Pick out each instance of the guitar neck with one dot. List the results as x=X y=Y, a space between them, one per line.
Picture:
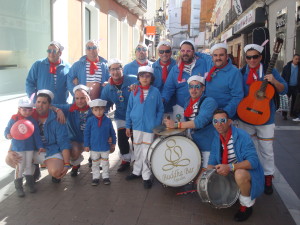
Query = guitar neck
x=269 y=70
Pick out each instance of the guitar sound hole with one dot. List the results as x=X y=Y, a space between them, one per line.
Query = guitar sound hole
x=260 y=94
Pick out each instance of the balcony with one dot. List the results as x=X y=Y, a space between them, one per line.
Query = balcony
x=137 y=7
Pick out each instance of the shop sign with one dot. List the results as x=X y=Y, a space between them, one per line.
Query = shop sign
x=226 y=35
x=280 y=21
x=150 y=30
x=247 y=20
x=238 y=7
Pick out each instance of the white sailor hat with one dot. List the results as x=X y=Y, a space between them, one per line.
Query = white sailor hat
x=218 y=46
x=188 y=41
x=94 y=42
x=83 y=87
x=114 y=61
x=164 y=42
x=142 y=44
x=146 y=69
x=47 y=92
x=253 y=47
x=196 y=78
x=25 y=102
x=57 y=44
x=97 y=102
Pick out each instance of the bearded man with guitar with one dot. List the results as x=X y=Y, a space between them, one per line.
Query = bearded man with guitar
x=257 y=110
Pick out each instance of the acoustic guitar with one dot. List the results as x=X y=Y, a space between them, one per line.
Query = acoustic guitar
x=255 y=108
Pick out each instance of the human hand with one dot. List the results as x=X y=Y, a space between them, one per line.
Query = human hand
x=128 y=132
x=270 y=78
x=63 y=172
x=41 y=150
x=14 y=157
x=87 y=149
x=8 y=136
x=223 y=169
x=112 y=148
x=75 y=81
x=60 y=117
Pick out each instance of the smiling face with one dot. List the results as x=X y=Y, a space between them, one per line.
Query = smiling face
x=25 y=111
x=141 y=53
x=53 y=53
x=221 y=123
x=253 y=58
x=196 y=89
x=116 y=72
x=91 y=51
x=186 y=53
x=164 y=53
x=145 y=78
x=80 y=98
x=98 y=111
x=220 y=57
x=42 y=105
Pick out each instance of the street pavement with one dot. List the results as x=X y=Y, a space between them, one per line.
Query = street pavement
x=74 y=201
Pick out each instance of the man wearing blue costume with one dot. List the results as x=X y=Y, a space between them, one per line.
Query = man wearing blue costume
x=177 y=79
x=90 y=70
x=141 y=54
x=51 y=74
x=117 y=92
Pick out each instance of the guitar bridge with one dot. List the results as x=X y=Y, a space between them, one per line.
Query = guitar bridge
x=255 y=111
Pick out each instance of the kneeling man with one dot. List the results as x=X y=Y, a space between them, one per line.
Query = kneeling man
x=233 y=151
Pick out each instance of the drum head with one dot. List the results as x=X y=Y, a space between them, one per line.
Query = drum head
x=162 y=130
x=175 y=161
x=222 y=190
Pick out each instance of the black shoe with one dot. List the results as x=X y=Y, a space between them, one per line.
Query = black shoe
x=124 y=166
x=90 y=162
x=95 y=182
x=106 y=181
x=37 y=173
x=243 y=214
x=55 y=180
x=147 y=184
x=74 y=171
x=132 y=177
x=268 y=185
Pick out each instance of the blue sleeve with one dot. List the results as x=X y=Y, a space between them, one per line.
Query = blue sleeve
x=105 y=73
x=36 y=135
x=205 y=114
x=125 y=70
x=214 y=151
x=207 y=58
x=237 y=93
x=31 y=80
x=87 y=133
x=281 y=80
x=248 y=150
x=160 y=109
x=8 y=127
x=128 y=111
x=65 y=108
x=71 y=76
x=170 y=86
x=62 y=138
x=112 y=133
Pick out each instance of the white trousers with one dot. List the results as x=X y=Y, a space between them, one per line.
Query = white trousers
x=246 y=201
x=262 y=137
x=141 y=143
x=25 y=165
x=97 y=158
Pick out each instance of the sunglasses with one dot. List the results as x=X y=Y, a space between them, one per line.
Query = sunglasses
x=186 y=51
x=196 y=86
x=164 y=51
x=252 y=56
x=220 y=121
x=141 y=49
x=91 y=47
x=115 y=69
x=27 y=109
x=54 y=51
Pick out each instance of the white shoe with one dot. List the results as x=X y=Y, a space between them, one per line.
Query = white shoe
x=296 y=120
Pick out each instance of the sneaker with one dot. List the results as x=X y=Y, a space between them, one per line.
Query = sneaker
x=74 y=171
x=37 y=173
x=95 y=182
x=243 y=214
x=124 y=166
x=55 y=180
x=268 y=185
x=106 y=181
x=147 y=184
x=296 y=120
x=132 y=177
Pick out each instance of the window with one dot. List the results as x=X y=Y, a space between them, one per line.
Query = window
x=87 y=31
x=113 y=36
x=124 y=43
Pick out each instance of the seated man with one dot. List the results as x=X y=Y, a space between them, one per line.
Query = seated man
x=232 y=150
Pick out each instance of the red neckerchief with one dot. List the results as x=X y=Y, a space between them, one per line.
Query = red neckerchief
x=164 y=70
x=142 y=64
x=43 y=116
x=212 y=70
x=111 y=81
x=181 y=67
x=93 y=66
x=189 y=109
x=53 y=67
x=142 y=92
x=99 y=120
x=252 y=75
x=75 y=107
x=35 y=115
x=17 y=117
x=225 y=149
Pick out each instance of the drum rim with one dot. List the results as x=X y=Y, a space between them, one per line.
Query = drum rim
x=179 y=136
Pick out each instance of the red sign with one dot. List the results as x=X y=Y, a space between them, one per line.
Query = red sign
x=150 y=30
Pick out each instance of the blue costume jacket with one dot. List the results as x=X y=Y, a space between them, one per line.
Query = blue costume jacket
x=96 y=138
x=203 y=132
x=56 y=135
x=272 y=104
x=226 y=88
x=39 y=78
x=32 y=143
x=181 y=89
x=244 y=150
x=147 y=115
x=132 y=68
x=158 y=83
x=112 y=94
x=78 y=70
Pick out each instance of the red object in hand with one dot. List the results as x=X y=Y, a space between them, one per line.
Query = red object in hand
x=22 y=129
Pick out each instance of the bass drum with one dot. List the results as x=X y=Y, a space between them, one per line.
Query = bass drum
x=220 y=191
x=174 y=160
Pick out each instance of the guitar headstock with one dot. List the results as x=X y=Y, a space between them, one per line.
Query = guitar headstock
x=278 y=44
